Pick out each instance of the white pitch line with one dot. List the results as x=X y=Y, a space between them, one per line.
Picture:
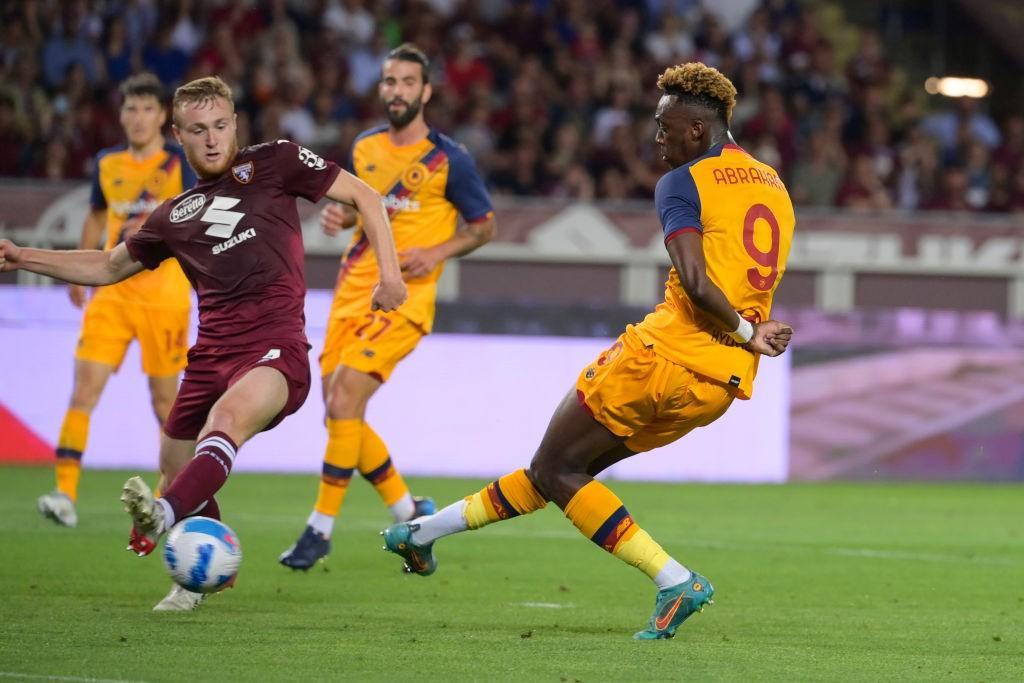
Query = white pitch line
x=74 y=679
x=543 y=605
x=920 y=557
x=866 y=553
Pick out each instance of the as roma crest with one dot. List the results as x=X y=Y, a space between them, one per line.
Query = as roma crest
x=414 y=176
x=243 y=172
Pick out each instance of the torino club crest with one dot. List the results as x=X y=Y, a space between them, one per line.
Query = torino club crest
x=243 y=172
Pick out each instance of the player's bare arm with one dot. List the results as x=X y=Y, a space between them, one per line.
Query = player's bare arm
x=88 y=267
x=420 y=262
x=687 y=253
x=390 y=292
x=92 y=234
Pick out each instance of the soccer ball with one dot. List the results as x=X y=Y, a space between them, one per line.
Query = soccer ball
x=202 y=554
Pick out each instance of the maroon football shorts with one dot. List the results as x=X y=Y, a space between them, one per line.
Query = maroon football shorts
x=211 y=371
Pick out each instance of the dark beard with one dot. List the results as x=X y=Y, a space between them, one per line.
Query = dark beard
x=400 y=121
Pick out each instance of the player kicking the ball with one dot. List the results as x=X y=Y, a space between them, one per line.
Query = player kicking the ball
x=728 y=222
x=237 y=236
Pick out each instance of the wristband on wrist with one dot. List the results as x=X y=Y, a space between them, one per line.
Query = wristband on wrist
x=744 y=332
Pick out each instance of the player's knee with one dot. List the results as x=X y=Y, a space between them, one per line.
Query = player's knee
x=545 y=472
x=222 y=420
x=161 y=407
x=540 y=477
x=343 y=403
x=84 y=399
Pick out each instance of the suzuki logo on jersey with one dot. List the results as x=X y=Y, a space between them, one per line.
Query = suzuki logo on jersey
x=224 y=221
x=237 y=239
x=188 y=208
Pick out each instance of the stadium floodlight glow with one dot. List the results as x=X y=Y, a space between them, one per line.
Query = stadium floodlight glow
x=953 y=86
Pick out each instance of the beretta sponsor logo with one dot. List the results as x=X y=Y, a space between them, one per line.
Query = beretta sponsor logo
x=188 y=208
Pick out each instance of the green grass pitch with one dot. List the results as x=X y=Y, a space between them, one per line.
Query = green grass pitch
x=813 y=582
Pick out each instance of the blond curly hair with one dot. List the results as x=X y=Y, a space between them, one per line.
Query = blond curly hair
x=701 y=83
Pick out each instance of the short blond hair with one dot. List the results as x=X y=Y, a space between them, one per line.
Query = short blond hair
x=701 y=84
x=200 y=91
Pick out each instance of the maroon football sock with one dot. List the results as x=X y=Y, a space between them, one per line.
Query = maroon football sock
x=208 y=508
x=202 y=477
x=212 y=510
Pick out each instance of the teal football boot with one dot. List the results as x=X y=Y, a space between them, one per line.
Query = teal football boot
x=419 y=559
x=676 y=604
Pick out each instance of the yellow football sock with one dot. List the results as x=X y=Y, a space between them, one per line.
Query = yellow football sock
x=509 y=496
x=600 y=516
x=375 y=464
x=74 y=433
x=343 y=439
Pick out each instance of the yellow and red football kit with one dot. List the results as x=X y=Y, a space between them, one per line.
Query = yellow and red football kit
x=676 y=370
x=152 y=306
x=426 y=186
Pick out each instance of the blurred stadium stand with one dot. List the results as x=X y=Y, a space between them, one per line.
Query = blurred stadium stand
x=554 y=97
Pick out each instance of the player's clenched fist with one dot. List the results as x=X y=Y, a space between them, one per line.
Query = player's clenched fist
x=387 y=296
x=771 y=338
x=10 y=254
x=335 y=218
x=78 y=294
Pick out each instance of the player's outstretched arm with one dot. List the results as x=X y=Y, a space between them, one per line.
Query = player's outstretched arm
x=92 y=234
x=88 y=267
x=390 y=292
x=687 y=253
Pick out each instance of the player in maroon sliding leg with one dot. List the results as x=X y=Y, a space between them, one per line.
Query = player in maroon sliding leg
x=238 y=239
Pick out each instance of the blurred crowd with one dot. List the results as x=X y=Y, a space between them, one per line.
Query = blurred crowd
x=552 y=97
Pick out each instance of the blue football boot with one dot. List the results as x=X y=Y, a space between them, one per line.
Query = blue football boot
x=311 y=547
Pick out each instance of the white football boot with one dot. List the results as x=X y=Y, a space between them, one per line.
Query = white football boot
x=58 y=507
x=179 y=600
x=147 y=516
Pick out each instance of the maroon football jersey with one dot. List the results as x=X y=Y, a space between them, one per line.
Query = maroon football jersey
x=239 y=241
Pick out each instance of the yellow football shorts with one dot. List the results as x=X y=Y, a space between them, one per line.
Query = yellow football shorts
x=108 y=328
x=373 y=343
x=646 y=398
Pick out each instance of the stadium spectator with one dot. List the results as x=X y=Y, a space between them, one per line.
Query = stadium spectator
x=953 y=189
x=1010 y=153
x=1016 y=200
x=13 y=136
x=774 y=123
x=863 y=190
x=816 y=176
x=919 y=166
x=119 y=58
x=166 y=60
x=66 y=47
x=949 y=126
